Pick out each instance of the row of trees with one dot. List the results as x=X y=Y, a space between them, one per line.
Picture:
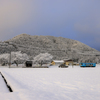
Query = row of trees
x=43 y=58
x=20 y=58
x=13 y=57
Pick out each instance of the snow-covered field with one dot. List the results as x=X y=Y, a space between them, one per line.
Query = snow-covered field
x=52 y=83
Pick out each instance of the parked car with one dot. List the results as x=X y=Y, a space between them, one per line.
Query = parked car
x=63 y=66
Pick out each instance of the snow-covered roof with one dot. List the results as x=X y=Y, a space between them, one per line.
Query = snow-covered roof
x=68 y=59
x=58 y=60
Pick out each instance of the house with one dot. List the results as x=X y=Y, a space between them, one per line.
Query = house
x=57 y=62
x=68 y=62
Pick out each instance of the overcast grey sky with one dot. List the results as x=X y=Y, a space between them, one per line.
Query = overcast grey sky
x=74 y=19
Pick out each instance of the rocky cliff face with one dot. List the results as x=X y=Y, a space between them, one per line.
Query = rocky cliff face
x=60 y=48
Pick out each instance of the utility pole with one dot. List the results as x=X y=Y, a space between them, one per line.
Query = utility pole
x=10 y=60
x=72 y=57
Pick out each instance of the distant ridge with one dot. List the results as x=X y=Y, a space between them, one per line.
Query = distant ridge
x=59 y=47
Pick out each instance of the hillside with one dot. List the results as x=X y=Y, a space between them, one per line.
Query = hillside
x=59 y=47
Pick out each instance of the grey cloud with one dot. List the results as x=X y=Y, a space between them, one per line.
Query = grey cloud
x=13 y=14
x=76 y=19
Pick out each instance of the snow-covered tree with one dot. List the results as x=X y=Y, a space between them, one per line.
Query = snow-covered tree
x=16 y=57
x=19 y=57
x=4 y=59
x=43 y=58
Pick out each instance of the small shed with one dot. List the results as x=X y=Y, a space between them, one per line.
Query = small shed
x=28 y=63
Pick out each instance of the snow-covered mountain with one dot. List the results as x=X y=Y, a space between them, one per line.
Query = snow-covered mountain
x=59 y=47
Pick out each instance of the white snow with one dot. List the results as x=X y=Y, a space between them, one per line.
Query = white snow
x=54 y=66
x=53 y=84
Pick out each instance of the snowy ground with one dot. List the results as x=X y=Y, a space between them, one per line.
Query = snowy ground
x=53 y=83
x=4 y=92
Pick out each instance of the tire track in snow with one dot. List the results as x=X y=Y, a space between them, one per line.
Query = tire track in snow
x=8 y=86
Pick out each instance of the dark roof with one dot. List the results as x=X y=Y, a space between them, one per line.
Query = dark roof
x=68 y=60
